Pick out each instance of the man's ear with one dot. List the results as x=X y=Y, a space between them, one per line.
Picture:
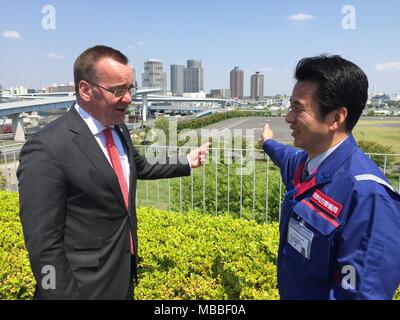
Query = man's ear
x=85 y=92
x=338 y=119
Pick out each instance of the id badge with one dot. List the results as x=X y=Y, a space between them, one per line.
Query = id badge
x=300 y=237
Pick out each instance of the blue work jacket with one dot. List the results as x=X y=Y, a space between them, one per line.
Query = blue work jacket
x=339 y=228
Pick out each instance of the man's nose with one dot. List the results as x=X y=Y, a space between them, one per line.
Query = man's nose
x=127 y=98
x=289 y=117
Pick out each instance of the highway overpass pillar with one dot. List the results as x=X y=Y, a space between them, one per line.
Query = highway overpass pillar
x=18 y=127
x=145 y=107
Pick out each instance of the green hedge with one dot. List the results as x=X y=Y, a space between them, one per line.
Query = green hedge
x=3 y=182
x=184 y=256
x=196 y=256
x=16 y=279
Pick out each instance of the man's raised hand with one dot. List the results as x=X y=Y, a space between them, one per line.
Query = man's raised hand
x=267 y=134
x=198 y=156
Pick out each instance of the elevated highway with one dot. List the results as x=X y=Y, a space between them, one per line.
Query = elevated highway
x=40 y=102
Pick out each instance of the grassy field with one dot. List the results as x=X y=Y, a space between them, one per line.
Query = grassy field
x=385 y=132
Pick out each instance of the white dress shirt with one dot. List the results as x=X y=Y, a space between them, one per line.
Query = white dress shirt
x=96 y=128
x=316 y=162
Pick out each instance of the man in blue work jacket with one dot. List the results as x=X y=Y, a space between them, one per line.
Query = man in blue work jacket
x=340 y=219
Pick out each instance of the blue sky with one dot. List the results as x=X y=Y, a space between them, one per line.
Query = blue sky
x=256 y=35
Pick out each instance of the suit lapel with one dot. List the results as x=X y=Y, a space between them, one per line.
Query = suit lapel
x=87 y=143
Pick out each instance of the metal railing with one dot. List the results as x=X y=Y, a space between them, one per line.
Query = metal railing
x=241 y=182
x=9 y=156
x=264 y=169
x=237 y=164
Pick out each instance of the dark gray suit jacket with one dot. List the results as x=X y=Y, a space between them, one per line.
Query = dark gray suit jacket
x=73 y=213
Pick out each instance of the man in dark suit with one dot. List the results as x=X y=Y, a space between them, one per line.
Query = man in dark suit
x=77 y=184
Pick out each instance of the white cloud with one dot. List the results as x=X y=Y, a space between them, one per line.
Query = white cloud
x=130 y=47
x=388 y=66
x=52 y=55
x=300 y=18
x=140 y=43
x=11 y=34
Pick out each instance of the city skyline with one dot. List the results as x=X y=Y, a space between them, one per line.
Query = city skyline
x=37 y=51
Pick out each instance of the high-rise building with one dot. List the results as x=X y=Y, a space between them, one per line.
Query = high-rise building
x=193 y=77
x=194 y=64
x=18 y=90
x=257 y=86
x=177 y=72
x=69 y=87
x=220 y=93
x=153 y=75
x=133 y=75
x=236 y=83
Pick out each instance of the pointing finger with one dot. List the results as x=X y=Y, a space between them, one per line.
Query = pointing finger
x=206 y=145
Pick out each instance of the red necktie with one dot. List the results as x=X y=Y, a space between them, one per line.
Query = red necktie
x=116 y=164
